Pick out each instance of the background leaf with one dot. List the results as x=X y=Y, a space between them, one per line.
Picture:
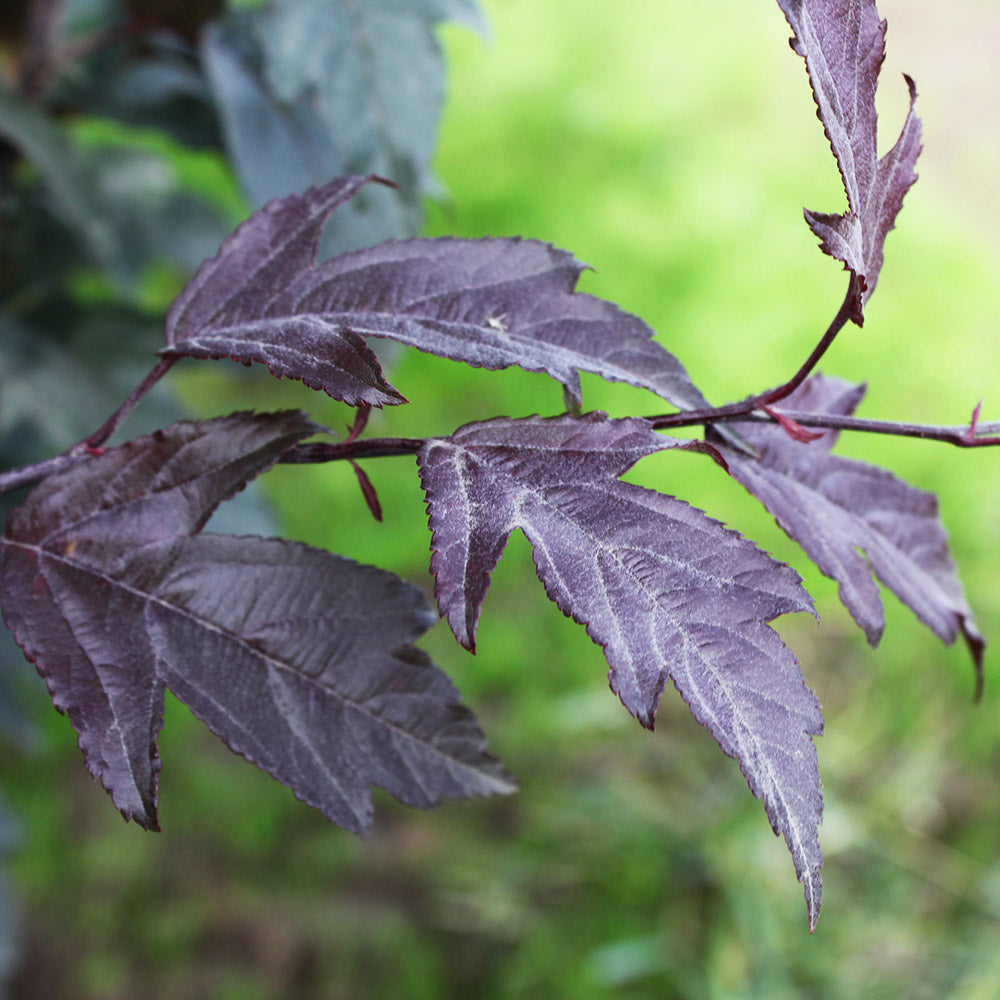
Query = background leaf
x=335 y=89
x=46 y=146
x=145 y=76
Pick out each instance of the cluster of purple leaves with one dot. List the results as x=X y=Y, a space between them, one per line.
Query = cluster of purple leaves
x=303 y=661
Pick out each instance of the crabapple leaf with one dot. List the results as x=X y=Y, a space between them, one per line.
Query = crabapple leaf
x=664 y=589
x=843 y=44
x=855 y=520
x=114 y=596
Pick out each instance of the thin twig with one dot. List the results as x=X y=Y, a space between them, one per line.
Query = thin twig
x=307 y=454
x=984 y=436
x=687 y=418
x=97 y=439
x=839 y=321
x=28 y=474
x=89 y=446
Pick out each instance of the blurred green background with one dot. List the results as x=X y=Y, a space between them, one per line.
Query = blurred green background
x=672 y=147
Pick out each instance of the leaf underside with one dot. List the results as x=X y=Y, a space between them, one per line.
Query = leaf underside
x=857 y=521
x=299 y=660
x=843 y=44
x=665 y=590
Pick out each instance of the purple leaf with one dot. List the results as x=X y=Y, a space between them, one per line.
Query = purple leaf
x=838 y=508
x=298 y=659
x=664 y=589
x=76 y=563
x=227 y=309
x=492 y=303
x=843 y=43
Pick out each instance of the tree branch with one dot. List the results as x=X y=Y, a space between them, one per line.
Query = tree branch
x=961 y=435
x=308 y=454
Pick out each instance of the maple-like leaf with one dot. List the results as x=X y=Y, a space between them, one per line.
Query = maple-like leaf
x=854 y=519
x=843 y=43
x=664 y=589
x=492 y=303
x=298 y=659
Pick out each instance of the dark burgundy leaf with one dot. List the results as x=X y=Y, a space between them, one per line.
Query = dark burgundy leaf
x=227 y=309
x=492 y=303
x=300 y=661
x=664 y=589
x=112 y=598
x=76 y=564
x=843 y=43
x=854 y=519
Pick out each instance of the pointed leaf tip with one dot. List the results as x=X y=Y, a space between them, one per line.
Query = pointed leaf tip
x=843 y=44
x=235 y=306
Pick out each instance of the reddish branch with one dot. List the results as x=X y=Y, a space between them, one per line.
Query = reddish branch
x=755 y=408
x=762 y=401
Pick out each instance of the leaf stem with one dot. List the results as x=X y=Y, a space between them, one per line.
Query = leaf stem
x=985 y=435
x=687 y=418
x=960 y=435
x=307 y=454
x=839 y=321
x=89 y=446
x=113 y=422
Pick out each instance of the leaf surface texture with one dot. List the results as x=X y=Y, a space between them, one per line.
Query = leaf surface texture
x=298 y=659
x=665 y=590
x=492 y=303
